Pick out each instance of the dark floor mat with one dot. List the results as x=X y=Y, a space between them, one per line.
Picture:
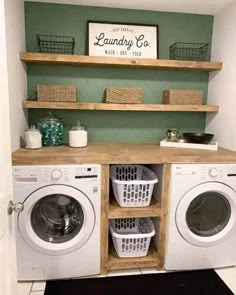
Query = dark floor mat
x=204 y=282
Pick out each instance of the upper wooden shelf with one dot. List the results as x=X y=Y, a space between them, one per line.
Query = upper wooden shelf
x=119 y=107
x=98 y=61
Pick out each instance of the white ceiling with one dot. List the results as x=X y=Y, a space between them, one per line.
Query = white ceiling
x=211 y=7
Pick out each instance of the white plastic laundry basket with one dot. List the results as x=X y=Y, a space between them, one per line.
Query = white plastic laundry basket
x=132 y=236
x=132 y=185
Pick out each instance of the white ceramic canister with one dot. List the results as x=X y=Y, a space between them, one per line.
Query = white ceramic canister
x=78 y=136
x=33 y=138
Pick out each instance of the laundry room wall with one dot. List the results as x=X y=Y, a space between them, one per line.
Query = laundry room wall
x=15 y=42
x=222 y=89
x=71 y=20
x=11 y=84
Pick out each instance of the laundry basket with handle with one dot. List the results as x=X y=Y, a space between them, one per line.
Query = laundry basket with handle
x=132 y=185
x=132 y=236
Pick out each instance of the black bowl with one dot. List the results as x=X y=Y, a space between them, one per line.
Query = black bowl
x=203 y=138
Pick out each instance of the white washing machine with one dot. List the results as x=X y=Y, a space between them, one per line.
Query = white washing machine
x=201 y=229
x=58 y=228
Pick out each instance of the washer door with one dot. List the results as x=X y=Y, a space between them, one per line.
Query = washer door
x=205 y=216
x=56 y=220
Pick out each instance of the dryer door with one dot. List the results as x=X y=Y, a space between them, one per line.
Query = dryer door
x=56 y=220
x=205 y=215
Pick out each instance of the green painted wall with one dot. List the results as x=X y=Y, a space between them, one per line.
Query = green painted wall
x=70 y=20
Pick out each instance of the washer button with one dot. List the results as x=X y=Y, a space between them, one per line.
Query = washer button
x=56 y=174
x=95 y=189
x=213 y=172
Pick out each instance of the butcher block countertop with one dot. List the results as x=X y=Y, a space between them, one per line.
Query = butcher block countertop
x=119 y=153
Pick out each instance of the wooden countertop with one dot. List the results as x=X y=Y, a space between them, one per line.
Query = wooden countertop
x=119 y=153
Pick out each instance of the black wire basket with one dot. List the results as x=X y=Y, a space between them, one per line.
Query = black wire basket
x=189 y=51
x=55 y=44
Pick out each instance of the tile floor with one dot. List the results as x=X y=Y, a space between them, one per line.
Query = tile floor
x=228 y=275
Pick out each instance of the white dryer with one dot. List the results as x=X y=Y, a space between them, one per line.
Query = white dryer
x=201 y=227
x=58 y=229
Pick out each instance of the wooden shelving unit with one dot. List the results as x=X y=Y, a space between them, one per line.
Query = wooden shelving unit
x=115 y=262
x=119 y=107
x=110 y=210
x=97 y=61
x=152 y=259
x=158 y=210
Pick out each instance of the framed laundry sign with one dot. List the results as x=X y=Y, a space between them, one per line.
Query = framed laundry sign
x=122 y=40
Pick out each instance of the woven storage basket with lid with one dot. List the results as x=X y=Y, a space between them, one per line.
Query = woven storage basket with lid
x=60 y=93
x=123 y=95
x=181 y=96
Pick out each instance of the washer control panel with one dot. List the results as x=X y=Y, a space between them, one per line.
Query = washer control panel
x=23 y=174
x=212 y=172
x=57 y=174
x=231 y=171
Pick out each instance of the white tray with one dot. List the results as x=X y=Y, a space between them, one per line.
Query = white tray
x=212 y=146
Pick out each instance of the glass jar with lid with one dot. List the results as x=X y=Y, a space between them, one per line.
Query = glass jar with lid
x=51 y=128
x=78 y=135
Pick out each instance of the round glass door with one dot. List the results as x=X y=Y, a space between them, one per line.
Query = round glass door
x=206 y=214
x=56 y=220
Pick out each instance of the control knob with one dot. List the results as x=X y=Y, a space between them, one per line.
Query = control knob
x=56 y=174
x=213 y=172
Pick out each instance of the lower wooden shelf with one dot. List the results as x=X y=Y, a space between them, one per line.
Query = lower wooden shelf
x=115 y=262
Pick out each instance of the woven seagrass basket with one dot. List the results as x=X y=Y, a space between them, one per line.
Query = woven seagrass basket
x=123 y=95
x=59 y=93
x=181 y=97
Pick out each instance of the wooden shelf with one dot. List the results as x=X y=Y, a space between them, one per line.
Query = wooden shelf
x=84 y=60
x=115 y=211
x=115 y=262
x=119 y=107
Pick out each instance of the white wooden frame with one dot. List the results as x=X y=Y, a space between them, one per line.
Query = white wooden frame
x=122 y=40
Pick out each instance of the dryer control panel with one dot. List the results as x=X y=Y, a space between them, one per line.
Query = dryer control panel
x=204 y=172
